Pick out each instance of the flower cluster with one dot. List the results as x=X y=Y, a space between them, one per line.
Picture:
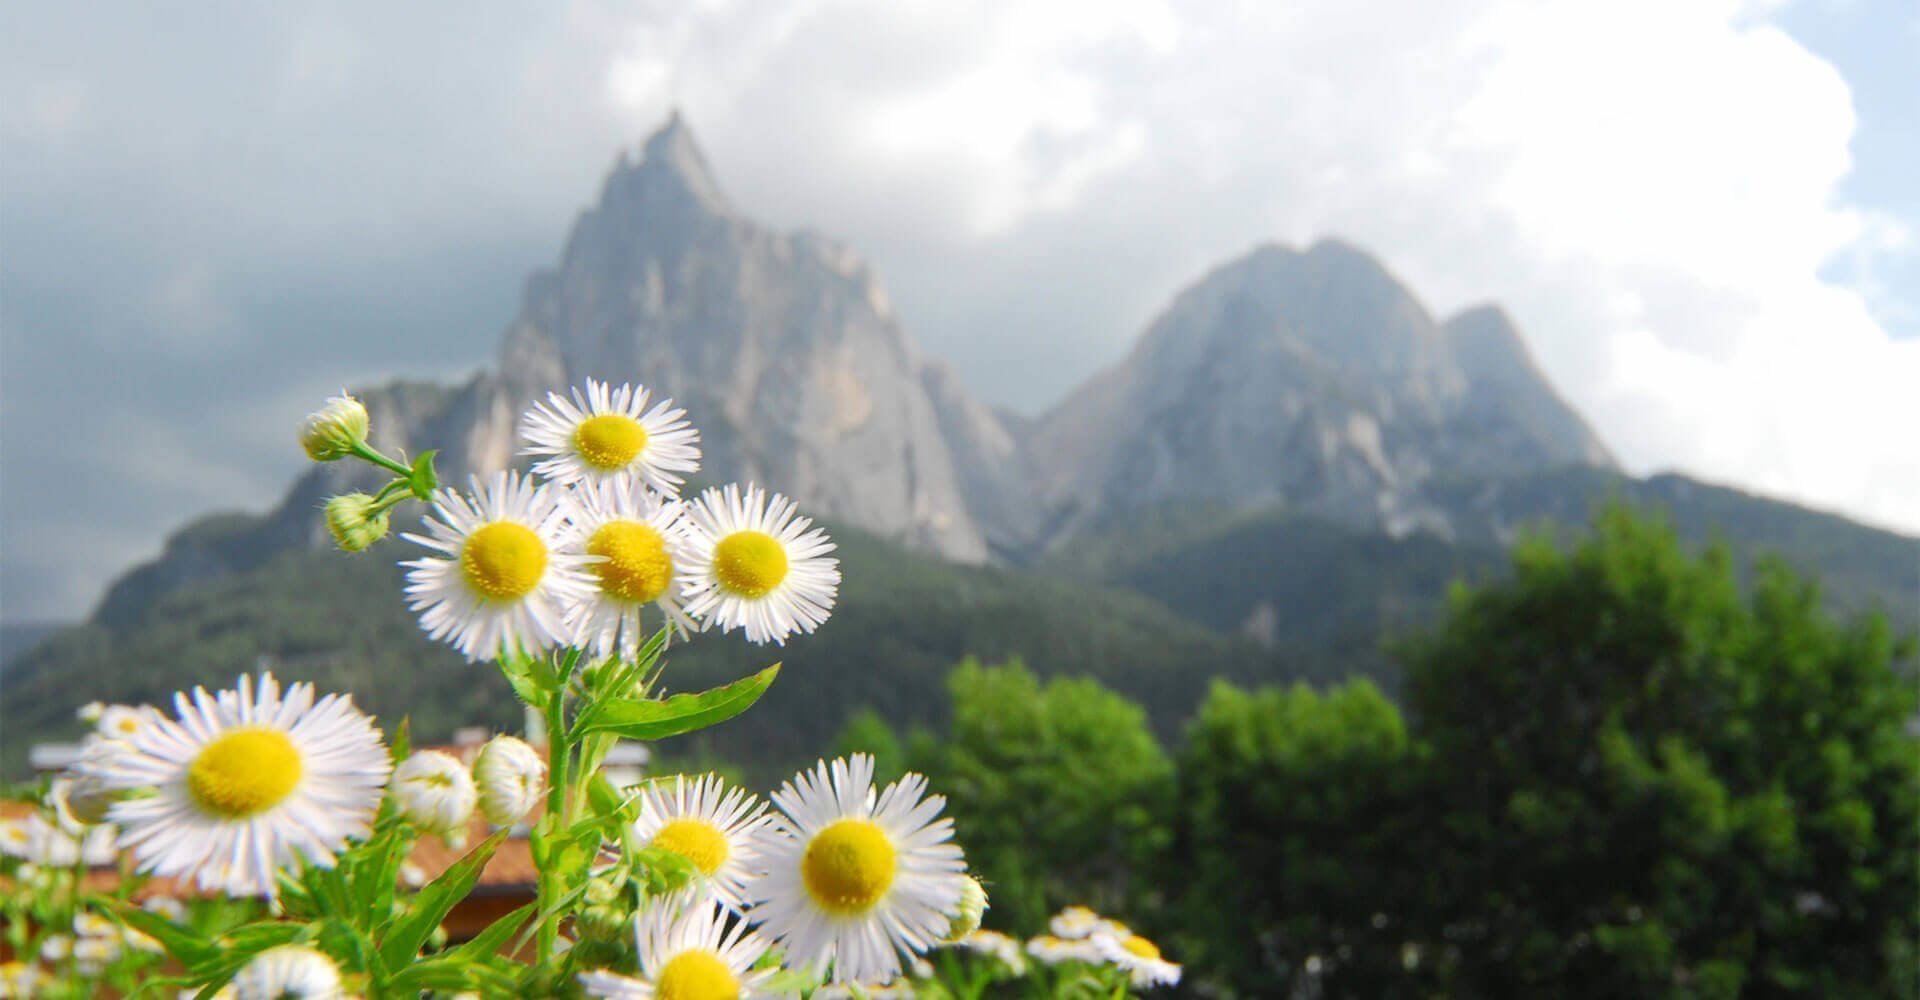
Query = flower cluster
x=296 y=804
x=1080 y=935
x=840 y=880
x=572 y=555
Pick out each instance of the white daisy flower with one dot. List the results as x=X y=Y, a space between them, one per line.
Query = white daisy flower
x=121 y=722
x=247 y=782
x=502 y=580
x=512 y=778
x=692 y=953
x=715 y=827
x=609 y=431
x=1140 y=957
x=854 y=878
x=18 y=979
x=435 y=793
x=39 y=842
x=288 y=972
x=752 y=564
x=1054 y=950
x=634 y=535
x=1076 y=922
x=1003 y=948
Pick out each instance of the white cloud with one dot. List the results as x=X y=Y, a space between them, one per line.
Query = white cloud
x=1649 y=186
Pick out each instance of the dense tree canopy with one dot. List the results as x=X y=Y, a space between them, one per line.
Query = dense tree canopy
x=1620 y=775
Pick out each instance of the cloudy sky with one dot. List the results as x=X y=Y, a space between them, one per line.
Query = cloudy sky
x=1705 y=216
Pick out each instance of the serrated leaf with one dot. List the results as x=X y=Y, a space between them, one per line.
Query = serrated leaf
x=682 y=713
x=435 y=900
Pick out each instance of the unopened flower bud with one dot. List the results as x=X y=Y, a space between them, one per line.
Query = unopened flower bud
x=973 y=906
x=511 y=776
x=334 y=430
x=435 y=793
x=607 y=910
x=353 y=522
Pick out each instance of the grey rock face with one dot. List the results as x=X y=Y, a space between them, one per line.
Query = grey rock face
x=782 y=347
x=1310 y=380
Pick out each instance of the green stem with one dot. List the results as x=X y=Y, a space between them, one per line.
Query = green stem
x=365 y=451
x=558 y=753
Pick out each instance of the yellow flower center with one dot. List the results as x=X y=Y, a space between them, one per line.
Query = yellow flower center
x=128 y=725
x=1141 y=946
x=638 y=568
x=696 y=840
x=503 y=560
x=848 y=866
x=696 y=975
x=245 y=771
x=609 y=441
x=749 y=563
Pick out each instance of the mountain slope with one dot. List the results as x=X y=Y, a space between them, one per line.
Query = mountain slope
x=1299 y=581
x=903 y=621
x=1312 y=380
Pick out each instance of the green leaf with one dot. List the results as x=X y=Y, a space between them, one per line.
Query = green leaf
x=572 y=855
x=607 y=800
x=682 y=713
x=629 y=672
x=184 y=945
x=402 y=744
x=519 y=674
x=488 y=942
x=433 y=974
x=238 y=946
x=423 y=481
x=376 y=873
x=407 y=935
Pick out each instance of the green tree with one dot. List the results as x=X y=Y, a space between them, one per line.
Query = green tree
x=1299 y=843
x=1056 y=788
x=1646 y=784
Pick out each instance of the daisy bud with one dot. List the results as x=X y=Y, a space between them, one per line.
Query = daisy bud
x=290 y=970
x=511 y=776
x=334 y=430
x=353 y=522
x=973 y=906
x=435 y=793
x=90 y=712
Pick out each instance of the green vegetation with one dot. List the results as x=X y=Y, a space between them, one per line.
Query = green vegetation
x=1616 y=774
x=902 y=622
x=1616 y=768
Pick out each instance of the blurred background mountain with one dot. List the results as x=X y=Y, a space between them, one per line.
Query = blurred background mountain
x=1292 y=465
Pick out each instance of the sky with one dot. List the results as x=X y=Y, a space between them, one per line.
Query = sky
x=1704 y=216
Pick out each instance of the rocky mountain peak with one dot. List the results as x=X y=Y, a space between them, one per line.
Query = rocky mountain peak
x=1307 y=379
x=782 y=347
